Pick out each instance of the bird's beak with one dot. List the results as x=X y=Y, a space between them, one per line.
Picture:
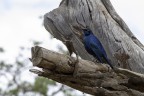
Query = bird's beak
x=84 y=29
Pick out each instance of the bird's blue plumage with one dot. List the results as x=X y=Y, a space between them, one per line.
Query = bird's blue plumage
x=94 y=47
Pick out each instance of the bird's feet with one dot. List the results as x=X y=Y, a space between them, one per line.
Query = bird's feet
x=72 y=61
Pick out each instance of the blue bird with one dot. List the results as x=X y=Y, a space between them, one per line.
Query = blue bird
x=94 y=47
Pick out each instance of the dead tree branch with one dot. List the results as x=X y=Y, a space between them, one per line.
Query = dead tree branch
x=122 y=47
x=86 y=76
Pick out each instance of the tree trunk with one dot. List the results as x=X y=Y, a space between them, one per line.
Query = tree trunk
x=122 y=47
x=86 y=76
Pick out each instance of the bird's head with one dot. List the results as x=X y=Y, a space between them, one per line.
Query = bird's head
x=87 y=32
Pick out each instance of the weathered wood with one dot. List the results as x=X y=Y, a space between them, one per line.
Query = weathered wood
x=122 y=47
x=60 y=63
x=86 y=76
x=121 y=23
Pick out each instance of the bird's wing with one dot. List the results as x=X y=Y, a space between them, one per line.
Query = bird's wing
x=97 y=43
x=96 y=51
x=89 y=50
x=94 y=47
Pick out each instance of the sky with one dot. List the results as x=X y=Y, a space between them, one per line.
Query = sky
x=132 y=13
x=20 y=23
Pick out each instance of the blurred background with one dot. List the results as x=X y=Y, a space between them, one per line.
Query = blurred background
x=21 y=27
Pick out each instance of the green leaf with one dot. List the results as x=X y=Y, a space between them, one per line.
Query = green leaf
x=14 y=91
x=36 y=43
x=1 y=50
x=41 y=85
x=19 y=63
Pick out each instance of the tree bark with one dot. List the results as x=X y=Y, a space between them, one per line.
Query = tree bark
x=86 y=76
x=122 y=47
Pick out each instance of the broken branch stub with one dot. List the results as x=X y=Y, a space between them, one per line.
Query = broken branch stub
x=61 y=63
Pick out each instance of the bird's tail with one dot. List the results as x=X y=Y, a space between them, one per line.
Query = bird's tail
x=108 y=61
x=110 y=64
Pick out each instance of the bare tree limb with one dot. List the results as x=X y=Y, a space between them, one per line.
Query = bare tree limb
x=86 y=76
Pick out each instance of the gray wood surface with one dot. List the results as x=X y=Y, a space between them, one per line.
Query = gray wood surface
x=86 y=76
x=122 y=47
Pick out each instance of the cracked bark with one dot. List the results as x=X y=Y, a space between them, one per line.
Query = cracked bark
x=101 y=18
x=122 y=47
x=86 y=76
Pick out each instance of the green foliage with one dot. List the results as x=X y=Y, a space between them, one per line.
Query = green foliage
x=36 y=43
x=13 y=92
x=41 y=85
x=16 y=86
x=19 y=63
x=67 y=93
x=4 y=66
x=1 y=50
